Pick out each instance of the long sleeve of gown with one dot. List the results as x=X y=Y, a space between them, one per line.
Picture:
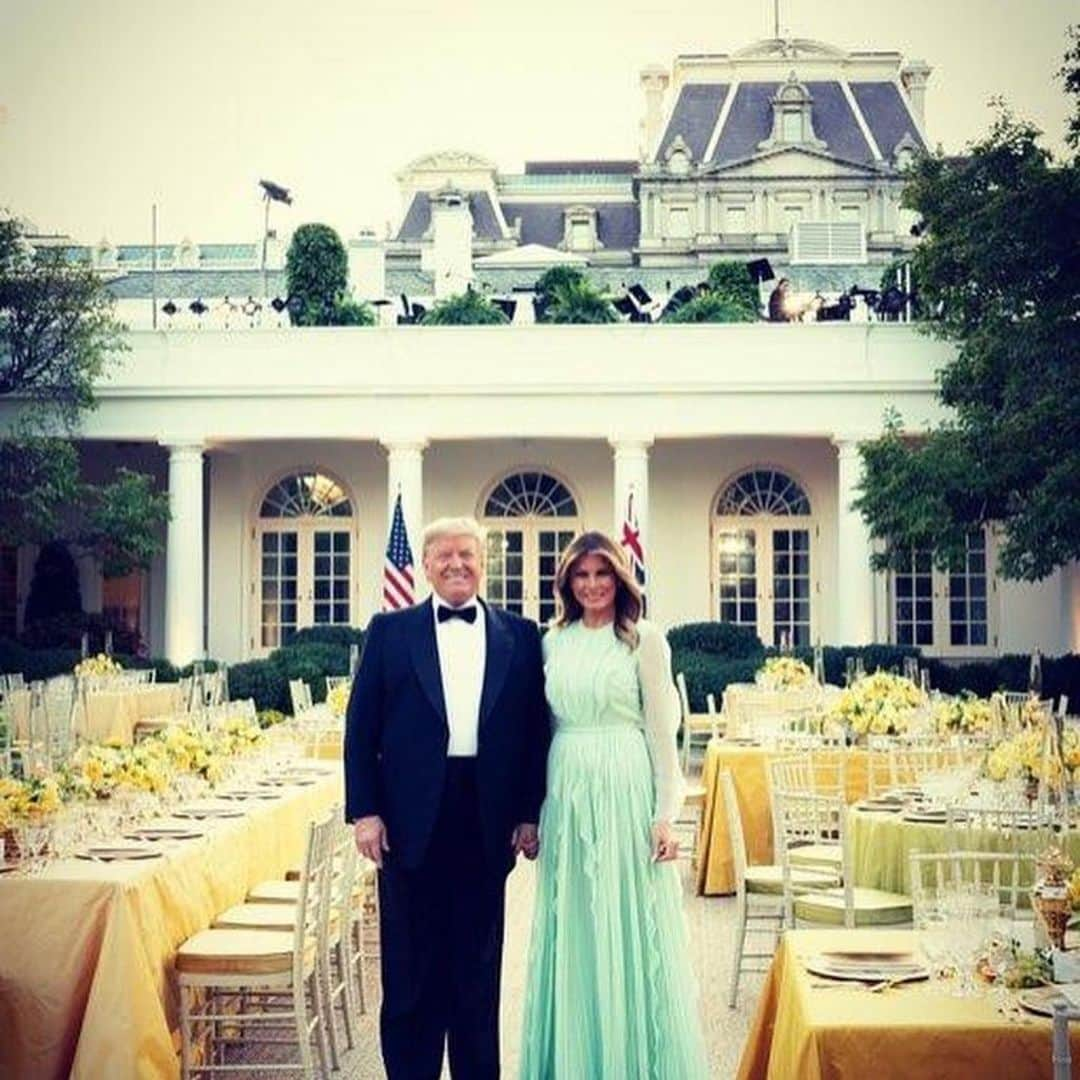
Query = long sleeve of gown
x=662 y=714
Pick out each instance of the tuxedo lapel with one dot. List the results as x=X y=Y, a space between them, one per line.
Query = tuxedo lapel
x=425 y=658
x=500 y=647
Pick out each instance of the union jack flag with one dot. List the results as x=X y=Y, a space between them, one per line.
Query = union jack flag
x=631 y=540
x=398 y=591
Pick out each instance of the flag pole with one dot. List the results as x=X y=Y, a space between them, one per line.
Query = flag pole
x=153 y=266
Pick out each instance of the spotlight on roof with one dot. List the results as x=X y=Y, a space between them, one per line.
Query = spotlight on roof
x=276 y=192
x=760 y=270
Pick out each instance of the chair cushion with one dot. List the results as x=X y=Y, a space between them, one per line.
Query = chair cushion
x=770 y=879
x=258 y=917
x=236 y=952
x=826 y=855
x=873 y=907
x=695 y=796
x=275 y=892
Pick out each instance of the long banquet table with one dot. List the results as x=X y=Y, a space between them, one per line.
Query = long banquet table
x=916 y=1030
x=86 y=949
x=749 y=771
x=109 y=715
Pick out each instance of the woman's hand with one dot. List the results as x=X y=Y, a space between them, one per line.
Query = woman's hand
x=665 y=848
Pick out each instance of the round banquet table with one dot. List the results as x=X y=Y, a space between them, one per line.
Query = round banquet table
x=881 y=843
x=749 y=771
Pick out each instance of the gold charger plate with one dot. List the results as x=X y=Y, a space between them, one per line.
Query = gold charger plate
x=872 y=971
x=1041 y=1000
x=202 y=813
x=117 y=854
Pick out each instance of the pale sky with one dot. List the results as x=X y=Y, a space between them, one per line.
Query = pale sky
x=107 y=106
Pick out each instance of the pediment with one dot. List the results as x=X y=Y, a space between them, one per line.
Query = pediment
x=792 y=161
x=443 y=161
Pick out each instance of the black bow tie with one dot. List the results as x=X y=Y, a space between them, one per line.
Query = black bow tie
x=467 y=614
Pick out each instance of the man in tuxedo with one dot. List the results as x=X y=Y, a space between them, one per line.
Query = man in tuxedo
x=445 y=757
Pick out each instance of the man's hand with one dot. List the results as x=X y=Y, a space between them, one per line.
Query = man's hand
x=665 y=847
x=370 y=833
x=526 y=841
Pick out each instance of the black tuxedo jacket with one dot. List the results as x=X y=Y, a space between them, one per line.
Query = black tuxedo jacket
x=396 y=733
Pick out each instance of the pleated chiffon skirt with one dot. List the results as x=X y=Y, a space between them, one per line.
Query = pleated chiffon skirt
x=611 y=994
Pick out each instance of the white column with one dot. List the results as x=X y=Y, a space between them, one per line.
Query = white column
x=631 y=458
x=184 y=554
x=854 y=579
x=405 y=473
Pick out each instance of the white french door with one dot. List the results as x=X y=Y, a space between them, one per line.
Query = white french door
x=764 y=577
x=305 y=578
x=521 y=564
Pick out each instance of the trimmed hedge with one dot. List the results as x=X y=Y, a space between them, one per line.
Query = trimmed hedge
x=710 y=655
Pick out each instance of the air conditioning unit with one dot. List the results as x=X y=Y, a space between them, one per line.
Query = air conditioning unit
x=827 y=242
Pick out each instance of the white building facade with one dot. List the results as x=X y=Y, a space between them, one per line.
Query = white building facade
x=283 y=452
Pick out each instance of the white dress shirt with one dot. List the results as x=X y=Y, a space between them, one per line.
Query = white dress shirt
x=462 y=650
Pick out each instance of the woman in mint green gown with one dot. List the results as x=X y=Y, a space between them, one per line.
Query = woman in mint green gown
x=610 y=993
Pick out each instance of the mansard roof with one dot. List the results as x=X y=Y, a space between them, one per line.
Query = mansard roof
x=694 y=117
x=749 y=119
x=618 y=225
x=418 y=217
x=580 y=168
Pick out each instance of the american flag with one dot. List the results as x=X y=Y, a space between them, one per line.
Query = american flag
x=398 y=567
x=631 y=540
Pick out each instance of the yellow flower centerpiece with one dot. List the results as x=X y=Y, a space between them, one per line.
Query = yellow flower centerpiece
x=28 y=800
x=880 y=704
x=1022 y=757
x=338 y=699
x=966 y=714
x=779 y=673
x=102 y=664
x=237 y=735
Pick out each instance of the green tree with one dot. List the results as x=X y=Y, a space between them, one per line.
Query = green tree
x=999 y=266
x=317 y=279
x=708 y=308
x=58 y=335
x=729 y=295
x=731 y=281
x=577 y=300
x=465 y=309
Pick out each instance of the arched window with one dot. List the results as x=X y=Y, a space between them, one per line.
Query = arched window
x=306 y=494
x=763 y=568
x=531 y=516
x=763 y=491
x=305 y=538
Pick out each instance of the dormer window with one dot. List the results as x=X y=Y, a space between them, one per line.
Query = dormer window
x=793 y=122
x=579 y=229
x=678 y=158
x=904 y=152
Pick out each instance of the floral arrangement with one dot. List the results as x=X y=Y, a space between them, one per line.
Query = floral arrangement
x=97 y=771
x=966 y=714
x=235 y=735
x=880 y=704
x=24 y=800
x=780 y=673
x=102 y=664
x=338 y=699
x=269 y=718
x=1021 y=758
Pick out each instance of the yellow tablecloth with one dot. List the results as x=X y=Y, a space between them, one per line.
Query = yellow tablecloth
x=804 y=1033
x=110 y=715
x=882 y=842
x=748 y=765
x=86 y=951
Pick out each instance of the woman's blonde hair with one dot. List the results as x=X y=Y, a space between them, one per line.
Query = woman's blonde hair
x=627 y=592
